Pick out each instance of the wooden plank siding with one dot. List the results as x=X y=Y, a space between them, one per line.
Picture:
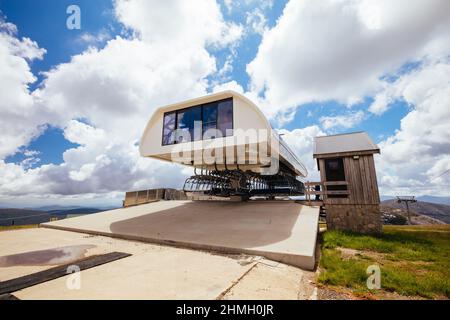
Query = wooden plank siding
x=362 y=181
x=373 y=174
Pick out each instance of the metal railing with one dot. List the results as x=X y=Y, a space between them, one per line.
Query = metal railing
x=293 y=157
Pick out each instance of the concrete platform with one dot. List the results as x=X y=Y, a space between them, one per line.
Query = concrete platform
x=151 y=272
x=278 y=230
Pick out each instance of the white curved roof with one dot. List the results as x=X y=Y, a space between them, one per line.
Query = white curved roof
x=246 y=115
x=200 y=100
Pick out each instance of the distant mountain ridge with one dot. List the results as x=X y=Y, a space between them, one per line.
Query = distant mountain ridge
x=14 y=216
x=10 y=217
x=434 y=210
x=433 y=199
x=430 y=199
x=53 y=207
x=75 y=211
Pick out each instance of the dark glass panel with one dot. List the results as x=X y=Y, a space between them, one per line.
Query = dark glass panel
x=225 y=116
x=169 y=128
x=209 y=116
x=179 y=126
x=186 y=120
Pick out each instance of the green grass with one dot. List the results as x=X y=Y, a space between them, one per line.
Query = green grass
x=6 y=228
x=414 y=260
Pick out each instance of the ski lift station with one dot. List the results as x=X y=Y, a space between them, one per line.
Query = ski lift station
x=243 y=195
x=233 y=148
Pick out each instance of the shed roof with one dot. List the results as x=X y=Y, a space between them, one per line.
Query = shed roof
x=344 y=143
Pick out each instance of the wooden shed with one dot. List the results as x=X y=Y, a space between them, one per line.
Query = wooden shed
x=348 y=182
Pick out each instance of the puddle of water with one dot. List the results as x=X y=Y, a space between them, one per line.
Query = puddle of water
x=54 y=256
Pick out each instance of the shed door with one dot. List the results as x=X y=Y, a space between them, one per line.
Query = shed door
x=334 y=171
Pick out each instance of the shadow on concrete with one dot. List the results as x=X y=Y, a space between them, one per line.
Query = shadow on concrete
x=219 y=223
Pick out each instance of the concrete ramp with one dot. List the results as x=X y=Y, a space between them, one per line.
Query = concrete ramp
x=283 y=231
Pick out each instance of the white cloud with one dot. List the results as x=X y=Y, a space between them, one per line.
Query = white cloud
x=440 y=171
x=414 y=87
x=301 y=141
x=19 y=117
x=31 y=153
x=30 y=162
x=178 y=24
x=115 y=89
x=228 y=4
x=414 y=157
x=302 y=59
x=223 y=74
x=342 y=50
x=338 y=50
x=7 y=27
x=100 y=165
x=231 y=85
x=246 y=4
x=263 y=4
x=257 y=21
x=95 y=38
x=343 y=121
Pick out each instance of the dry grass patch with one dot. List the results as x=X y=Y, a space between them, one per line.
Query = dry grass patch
x=6 y=228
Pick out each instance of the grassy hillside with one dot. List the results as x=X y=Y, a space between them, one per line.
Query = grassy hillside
x=414 y=262
x=26 y=226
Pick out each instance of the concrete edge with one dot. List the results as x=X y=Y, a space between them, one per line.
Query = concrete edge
x=301 y=261
x=316 y=234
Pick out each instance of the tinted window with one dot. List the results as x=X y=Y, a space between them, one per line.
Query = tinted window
x=179 y=125
x=225 y=117
x=209 y=116
x=169 y=128
x=185 y=123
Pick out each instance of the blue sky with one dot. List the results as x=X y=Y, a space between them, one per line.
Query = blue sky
x=45 y=21
x=282 y=54
x=42 y=21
